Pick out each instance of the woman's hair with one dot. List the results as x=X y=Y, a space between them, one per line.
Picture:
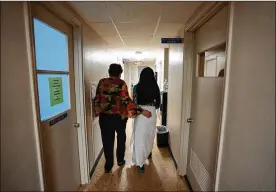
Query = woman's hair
x=147 y=88
x=115 y=70
x=147 y=76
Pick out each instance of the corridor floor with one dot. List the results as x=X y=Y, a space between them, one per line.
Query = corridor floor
x=160 y=173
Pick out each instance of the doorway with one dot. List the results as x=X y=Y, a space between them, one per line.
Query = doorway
x=56 y=99
x=206 y=108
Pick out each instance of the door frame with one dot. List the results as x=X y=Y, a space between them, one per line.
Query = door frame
x=190 y=57
x=188 y=65
x=59 y=11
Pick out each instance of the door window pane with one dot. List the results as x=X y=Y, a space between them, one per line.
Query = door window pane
x=54 y=94
x=51 y=48
x=211 y=68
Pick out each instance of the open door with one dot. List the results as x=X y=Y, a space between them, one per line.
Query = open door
x=56 y=99
x=207 y=93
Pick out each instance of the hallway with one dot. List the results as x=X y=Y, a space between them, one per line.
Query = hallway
x=221 y=127
x=160 y=173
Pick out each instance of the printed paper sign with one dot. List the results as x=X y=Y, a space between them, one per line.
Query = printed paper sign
x=56 y=91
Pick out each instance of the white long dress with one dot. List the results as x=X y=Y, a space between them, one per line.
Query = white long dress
x=142 y=139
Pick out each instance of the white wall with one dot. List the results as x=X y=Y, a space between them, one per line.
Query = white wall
x=19 y=155
x=175 y=75
x=212 y=33
x=248 y=157
x=134 y=74
x=160 y=72
x=127 y=74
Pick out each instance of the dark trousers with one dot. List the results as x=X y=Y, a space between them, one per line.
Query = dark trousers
x=109 y=124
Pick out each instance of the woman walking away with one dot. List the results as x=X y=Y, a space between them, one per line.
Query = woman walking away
x=147 y=96
x=113 y=106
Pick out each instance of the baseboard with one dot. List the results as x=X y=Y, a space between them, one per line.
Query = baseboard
x=96 y=163
x=188 y=182
x=174 y=161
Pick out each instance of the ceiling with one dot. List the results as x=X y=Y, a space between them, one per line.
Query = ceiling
x=137 y=24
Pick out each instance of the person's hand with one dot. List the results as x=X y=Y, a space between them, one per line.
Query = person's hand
x=133 y=114
x=95 y=114
x=146 y=113
x=96 y=111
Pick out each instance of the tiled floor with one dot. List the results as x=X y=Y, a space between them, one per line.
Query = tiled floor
x=160 y=174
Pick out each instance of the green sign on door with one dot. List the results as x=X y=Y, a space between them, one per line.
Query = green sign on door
x=56 y=92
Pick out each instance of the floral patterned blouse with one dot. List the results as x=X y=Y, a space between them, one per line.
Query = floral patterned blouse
x=112 y=97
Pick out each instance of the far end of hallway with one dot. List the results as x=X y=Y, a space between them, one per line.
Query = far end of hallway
x=160 y=173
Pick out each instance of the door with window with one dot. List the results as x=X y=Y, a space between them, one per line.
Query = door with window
x=206 y=108
x=54 y=73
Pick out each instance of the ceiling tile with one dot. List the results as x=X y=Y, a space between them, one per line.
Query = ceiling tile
x=138 y=37
x=92 y=11
x=136 y=42
x=141 y=42
x=156 y=40
x=168 y=29
x=104 y=29
x=128 y=29
x=113 y=40
x=178 y=12
x=136 y=21
x=138 y=12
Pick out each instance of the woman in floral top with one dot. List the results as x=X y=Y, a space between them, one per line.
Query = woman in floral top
x=113 y=105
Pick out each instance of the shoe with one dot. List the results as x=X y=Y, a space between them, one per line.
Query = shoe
x=141 y=169
x=121 y=163
x=107 y=170
x=150 y=156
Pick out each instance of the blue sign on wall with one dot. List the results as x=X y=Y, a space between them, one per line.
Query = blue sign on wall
x=171 y=40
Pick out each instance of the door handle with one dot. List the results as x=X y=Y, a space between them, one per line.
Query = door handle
x=190 y=120
x=76 y=125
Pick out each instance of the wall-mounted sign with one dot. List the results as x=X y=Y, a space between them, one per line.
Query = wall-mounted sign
x=171 y=40
x=57 y=119
x=56 y=92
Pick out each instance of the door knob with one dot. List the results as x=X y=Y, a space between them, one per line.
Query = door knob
x=190 y=120
x=76 y=125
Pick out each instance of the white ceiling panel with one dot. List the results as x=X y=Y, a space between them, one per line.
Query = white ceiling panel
x=137 y=38
x=91 y=11
x=137 y=22
x=168 y=29
x=178 y=12
x=136 y=42
x=156 y=41
x=113 y=40
x=137 y=12
x=104 y=29
x=127 y=29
